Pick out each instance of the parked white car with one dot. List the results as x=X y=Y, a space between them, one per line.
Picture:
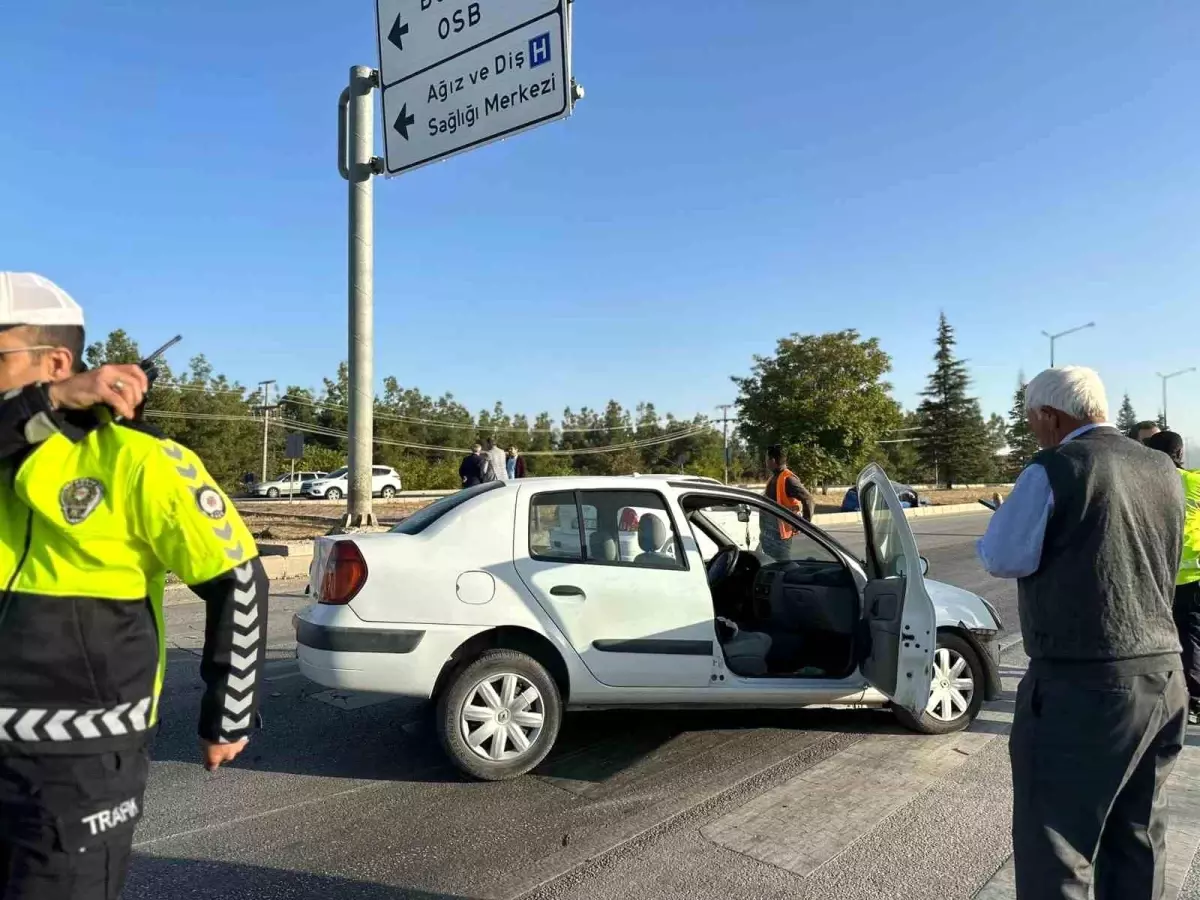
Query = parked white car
x=385 y=482
x=510 y=602
x=285 y=485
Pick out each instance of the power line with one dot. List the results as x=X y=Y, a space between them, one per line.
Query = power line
x=325 y=431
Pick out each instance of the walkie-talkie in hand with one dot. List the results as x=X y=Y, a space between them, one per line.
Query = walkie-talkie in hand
x=147 y=364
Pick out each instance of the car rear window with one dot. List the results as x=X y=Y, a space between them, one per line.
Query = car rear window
x=423 y=518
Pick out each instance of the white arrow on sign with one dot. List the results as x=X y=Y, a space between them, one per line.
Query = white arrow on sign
x=514 y=82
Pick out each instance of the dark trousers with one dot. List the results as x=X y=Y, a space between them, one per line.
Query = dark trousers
x=67 y=823
x=1187 y=620
x=1090 y=756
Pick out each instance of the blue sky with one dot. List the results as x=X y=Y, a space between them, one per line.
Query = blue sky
x=736 y=172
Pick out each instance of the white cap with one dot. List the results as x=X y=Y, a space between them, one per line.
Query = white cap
x=29 y=299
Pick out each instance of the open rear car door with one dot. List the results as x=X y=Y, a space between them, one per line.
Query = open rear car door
x=896 y=606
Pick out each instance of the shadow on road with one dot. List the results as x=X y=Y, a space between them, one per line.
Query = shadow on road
x=396 y=741
x=166 y=878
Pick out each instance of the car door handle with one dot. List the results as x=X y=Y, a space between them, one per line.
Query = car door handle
x=567 y=590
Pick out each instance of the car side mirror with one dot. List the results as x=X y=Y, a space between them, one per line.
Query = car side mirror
x=743 y=514
x=924 y=566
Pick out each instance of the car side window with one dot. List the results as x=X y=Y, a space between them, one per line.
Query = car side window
x=778 y=540
x=631 y=528
x=380 y=470
x=554 y=527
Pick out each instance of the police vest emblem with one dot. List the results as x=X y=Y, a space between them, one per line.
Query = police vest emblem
x=79 y=499
x=210 y=503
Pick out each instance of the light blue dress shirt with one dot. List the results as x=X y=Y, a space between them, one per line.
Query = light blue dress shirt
x=1012 y=545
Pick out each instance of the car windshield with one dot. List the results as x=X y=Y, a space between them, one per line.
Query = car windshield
x=423 y=518
x=337 y=473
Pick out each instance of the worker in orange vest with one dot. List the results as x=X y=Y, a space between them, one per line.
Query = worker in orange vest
x=785 y=489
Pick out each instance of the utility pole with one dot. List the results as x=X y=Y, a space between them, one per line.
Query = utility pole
x=264 y=388
x=725 y=420
x=358 y=165
x=1165 y=379
x=1055 y=337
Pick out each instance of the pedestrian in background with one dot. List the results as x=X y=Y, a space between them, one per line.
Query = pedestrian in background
x=775 y=534
x=473 y=467
x=516 y=464
x=1092 y=531
x=498 y=464
x=784 y=487
x=1143 y=430
x=1187 y=582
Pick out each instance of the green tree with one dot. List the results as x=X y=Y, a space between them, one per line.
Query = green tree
x=117 y=348
x=824 y=398
x=1022 y=444
x=1126 y=418
x=954 y=437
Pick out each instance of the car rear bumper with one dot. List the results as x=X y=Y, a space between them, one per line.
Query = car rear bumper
x=336 y=649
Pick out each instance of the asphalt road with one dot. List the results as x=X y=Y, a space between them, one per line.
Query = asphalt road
x=348 y=796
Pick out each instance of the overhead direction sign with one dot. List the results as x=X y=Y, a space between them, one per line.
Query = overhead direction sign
x=460 y=73
x=417 y=34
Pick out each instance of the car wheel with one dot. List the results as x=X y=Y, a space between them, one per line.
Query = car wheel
x=956 y=692
x=499 y=716
x=388 y=492
x=273 y=493
x=333 y=494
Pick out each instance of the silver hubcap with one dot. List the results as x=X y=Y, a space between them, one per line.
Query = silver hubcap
x=953 y=686
x=502 y=717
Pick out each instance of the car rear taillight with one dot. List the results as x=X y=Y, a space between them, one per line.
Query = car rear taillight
x=345 y=574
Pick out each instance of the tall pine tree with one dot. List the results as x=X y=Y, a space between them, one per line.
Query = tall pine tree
x=1022 y=444
x=1126 y=418
x=953 y=437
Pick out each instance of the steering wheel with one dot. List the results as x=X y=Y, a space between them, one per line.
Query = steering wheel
x=722 y=565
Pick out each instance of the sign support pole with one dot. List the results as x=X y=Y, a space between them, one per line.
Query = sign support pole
x=357 y=164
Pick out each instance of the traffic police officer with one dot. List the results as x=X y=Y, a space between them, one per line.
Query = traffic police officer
x=1187 y=582
x=95 y=511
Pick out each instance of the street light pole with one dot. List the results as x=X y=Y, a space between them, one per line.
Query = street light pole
x=1165 y=379
x=358 y=165
x=1055 y=337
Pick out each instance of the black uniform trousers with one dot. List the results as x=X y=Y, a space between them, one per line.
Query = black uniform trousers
x=67 y=823
x=1187 y=621
x=1090 y=755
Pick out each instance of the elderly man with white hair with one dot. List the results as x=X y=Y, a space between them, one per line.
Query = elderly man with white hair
x=1092 y=532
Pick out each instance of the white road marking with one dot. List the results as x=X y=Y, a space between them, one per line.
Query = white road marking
x=804 y=823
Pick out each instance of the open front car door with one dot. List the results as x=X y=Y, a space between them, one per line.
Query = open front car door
x=896 y=606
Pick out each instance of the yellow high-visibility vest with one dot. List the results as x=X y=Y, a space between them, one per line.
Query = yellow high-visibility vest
x=88 y=532
x=1189 y=564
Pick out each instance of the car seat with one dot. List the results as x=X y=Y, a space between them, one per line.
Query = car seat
x=746 y=651
x=603 y=547
x=652 y=535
